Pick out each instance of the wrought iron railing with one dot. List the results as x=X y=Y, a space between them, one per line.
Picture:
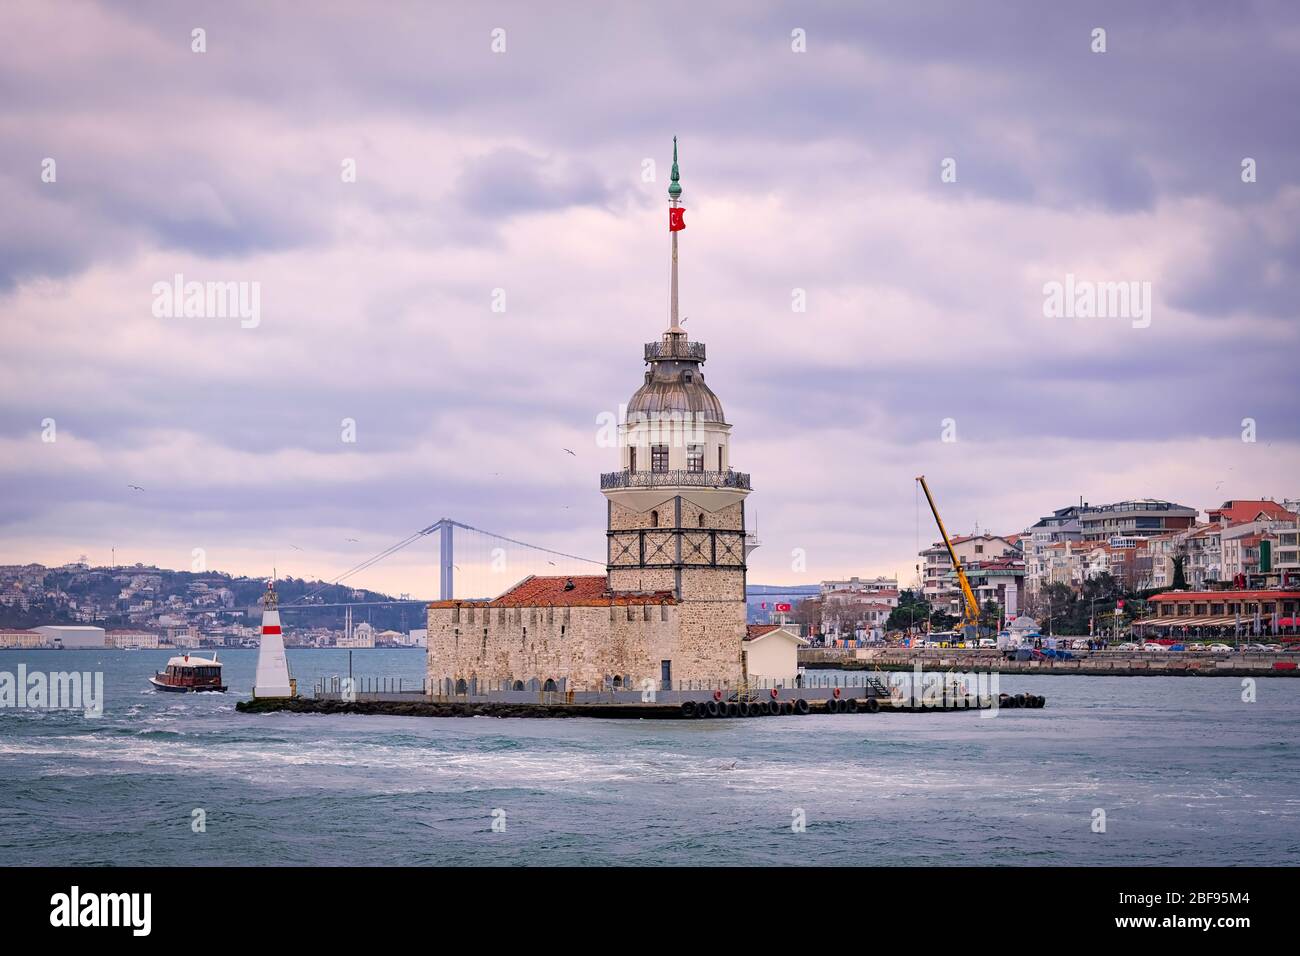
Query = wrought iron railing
x=693 y=351
x=667 y=479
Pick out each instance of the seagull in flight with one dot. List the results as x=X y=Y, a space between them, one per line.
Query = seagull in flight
x=572 y=452
x=295 y=547
x=354 y=540
x=135 y=487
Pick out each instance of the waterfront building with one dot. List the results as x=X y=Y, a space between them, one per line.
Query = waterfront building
x=1061 y=525
x=127 y=638
x=772 y=652
x=21 y=640
x=671 y=604
x=880 y=587
x=1241 y=511
x=1144 y=517
x=939 y=579
x=72 y=636
x=360 y=636
x=1200 y=613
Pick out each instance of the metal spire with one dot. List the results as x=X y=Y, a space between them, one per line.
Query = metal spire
x=674 y=195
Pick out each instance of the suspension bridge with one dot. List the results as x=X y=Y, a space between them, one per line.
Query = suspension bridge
x=470 y=561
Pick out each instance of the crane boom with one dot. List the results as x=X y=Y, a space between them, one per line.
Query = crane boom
x=971 y=615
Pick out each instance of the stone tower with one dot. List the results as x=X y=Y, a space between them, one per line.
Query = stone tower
x=676 y=508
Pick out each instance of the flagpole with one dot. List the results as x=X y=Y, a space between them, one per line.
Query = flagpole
x=674 y=195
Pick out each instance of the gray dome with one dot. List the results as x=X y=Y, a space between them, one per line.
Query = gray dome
x=675 y=388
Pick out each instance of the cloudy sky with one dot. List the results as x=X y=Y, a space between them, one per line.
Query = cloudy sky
x=813 y=142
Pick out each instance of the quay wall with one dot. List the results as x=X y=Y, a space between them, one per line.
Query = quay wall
x=1104 y=664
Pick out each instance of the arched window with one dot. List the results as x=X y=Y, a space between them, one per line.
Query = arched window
x=549 y=685
x=462 y=687
x=618 y=681
x=701 y=519
x=518 y=685
x=654 y=519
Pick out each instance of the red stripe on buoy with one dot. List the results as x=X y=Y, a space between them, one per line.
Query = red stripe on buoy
x=270 y=628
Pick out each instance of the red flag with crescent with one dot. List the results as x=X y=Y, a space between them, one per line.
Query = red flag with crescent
x=675 y=221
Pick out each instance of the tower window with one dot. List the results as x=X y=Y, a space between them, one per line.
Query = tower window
x=719 y=458
x=701 y=519
x=688 y=377
x=631 y=458
x=654 y=519
x=659 y=458
x=694 y=457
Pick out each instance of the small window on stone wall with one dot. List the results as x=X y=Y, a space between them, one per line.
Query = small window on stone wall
x=645 y=612
x=629 y=612
x=701 y=519
x=566 y=614
x=550 y=615
x=663 y=612
x=654 y=519
x=455 y=615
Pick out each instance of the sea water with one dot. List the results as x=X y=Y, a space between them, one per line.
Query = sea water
x=1114 y=770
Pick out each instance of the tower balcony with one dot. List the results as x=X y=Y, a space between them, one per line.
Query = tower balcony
x=735 y=480
x=674 y=348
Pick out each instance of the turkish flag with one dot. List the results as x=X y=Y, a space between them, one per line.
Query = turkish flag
x=675 y=221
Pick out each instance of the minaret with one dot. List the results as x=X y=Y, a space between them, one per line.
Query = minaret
x=272 y=679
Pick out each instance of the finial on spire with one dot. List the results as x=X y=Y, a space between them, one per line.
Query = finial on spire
x=675 y=187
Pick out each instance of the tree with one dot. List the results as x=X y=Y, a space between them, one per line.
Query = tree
x=990 y=615
x=808 y=615
x=912 y=611
x=1180 y=577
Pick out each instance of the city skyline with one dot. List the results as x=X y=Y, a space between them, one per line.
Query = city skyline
x=813 y=178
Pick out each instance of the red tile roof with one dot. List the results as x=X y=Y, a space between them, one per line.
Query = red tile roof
x=755 y=631
x=1224 y=596
x=1239 y=511
x=588 y=590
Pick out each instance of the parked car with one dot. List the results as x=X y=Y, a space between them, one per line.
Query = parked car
x=988 y=642
x=1219 y=649
x=1080 y=645
x=1127 y=646
x=1154 y=647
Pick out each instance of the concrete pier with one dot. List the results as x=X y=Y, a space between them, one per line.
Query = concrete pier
x=1104 y=664
x=421 y=706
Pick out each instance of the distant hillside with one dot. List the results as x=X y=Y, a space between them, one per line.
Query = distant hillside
x=193 y=594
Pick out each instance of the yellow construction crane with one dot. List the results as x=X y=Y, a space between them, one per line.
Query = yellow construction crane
x=971 y=615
